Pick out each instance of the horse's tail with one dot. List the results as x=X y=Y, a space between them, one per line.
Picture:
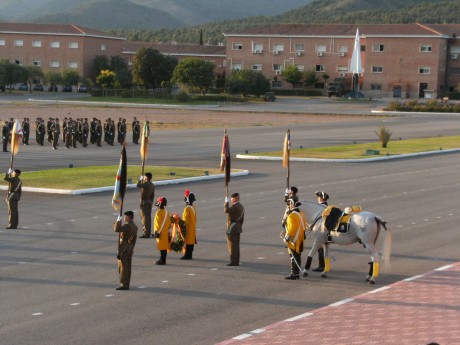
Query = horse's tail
x=386 y=254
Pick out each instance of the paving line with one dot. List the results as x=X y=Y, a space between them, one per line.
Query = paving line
x=342 y=302
x=412 y=278
x=298 y=317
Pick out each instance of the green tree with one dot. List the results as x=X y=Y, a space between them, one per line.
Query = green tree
x=100 y=62
x=292 y=74
x=106 y=79
x=247 y=82
x=10 y=72
x=53 y=79
x=310 y=77
x=33 y=73
x=195 y=72
x=150 y=67
x=201 y=37
x=70 y=77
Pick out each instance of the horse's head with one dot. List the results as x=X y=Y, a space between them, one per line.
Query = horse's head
x=312 y=210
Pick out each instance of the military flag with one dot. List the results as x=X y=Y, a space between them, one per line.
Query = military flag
x=16 y=137
x=145 y=144
x=225 y=158
x=287 y=149
x=120 y=182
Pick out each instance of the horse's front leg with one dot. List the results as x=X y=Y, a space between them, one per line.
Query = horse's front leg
x=314 y=249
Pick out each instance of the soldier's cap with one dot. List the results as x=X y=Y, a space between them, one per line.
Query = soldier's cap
x=148 y=175
x=17 y=171
x=235 y=195
x=129 y=214
x=294 y=190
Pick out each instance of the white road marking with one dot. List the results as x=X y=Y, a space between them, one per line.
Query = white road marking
x=71 y=220
x=75 y=304
x=95 y=217
x=444 y=268
x=108 y=295
x=142 y=287
x=412 y=278
x=298 y=317
x=242 y=336
x=258 y=331
x=22 y=262
x=260 y=258
x=165 y=281
x=339 y=303
x=49 y=223
x=399 y=226
x=74 y=252
x=379 y=289
x=426 y=220
x=37 y=314
x=281 y=253
x=191 y=274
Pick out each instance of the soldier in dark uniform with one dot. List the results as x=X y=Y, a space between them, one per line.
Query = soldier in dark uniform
x=147 y=197
x=111 y=133
x=64 y=129
x=42 y=132
x=136 y=128
x=49 y=124
x=37 y=132
x=25 y=131
x=92 y=131
x=123 y=131
x=85 y=132
x=74 y=130
x=235 y=219
x=68 y=135
x=128 y=235
x=56 y=129
x=5 y=136
x=13 y=197
x=98 y=133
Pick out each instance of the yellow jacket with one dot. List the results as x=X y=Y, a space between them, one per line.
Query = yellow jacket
x=295 y=230
x=162 y=225
x=189 y=217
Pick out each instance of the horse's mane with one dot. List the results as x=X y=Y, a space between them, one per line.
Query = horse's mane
x=312 y=209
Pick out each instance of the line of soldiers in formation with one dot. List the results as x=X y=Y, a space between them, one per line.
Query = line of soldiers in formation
x=74 y=131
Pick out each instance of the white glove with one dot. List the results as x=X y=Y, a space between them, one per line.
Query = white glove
x=227 y=199
x=119 y=218
x=10 y=171
x=287 y=191
x=141 y=178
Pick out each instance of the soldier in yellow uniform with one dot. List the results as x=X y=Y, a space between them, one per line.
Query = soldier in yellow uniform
x=161 y=226
x=126 y=248
x=189 y=217
x=294 y=238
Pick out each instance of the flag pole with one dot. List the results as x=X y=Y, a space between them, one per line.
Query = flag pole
x=286 y=156
x=225 y=164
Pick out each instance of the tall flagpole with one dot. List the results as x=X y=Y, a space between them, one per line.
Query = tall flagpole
x=286 y=156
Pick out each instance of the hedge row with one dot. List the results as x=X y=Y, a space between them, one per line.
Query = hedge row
x=430 y=106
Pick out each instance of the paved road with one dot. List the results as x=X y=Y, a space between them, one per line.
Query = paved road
x=57 y=272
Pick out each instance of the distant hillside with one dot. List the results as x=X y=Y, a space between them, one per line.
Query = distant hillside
x=122 y=14
x=319 y=11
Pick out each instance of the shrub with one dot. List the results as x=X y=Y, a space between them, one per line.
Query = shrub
x=182 y=96
x=384 y=136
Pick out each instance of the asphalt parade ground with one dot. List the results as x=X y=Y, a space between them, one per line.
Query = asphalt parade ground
x=58 y=269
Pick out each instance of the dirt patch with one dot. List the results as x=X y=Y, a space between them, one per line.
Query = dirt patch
x=168 y=118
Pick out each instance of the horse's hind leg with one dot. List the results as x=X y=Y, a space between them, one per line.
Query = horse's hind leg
x=374 y=264
x=327 y=261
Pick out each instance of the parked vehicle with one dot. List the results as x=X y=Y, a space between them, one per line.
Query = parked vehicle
x=52 y=88
x=269 y=97
x=82 y=88
x=38 y=87
x=23 y=87
x=338 y=87
x=67 y=88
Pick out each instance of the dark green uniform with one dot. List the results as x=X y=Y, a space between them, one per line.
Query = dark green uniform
x=235 y=219
x=126 y=249
x=13 y=197
x=147 y=197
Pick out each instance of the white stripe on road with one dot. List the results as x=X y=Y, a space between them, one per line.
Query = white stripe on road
x=298 y=317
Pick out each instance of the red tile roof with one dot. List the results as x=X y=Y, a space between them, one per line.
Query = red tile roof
x=55 y=29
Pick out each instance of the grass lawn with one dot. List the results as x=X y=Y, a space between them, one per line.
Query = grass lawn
x=102 y=176
x=354 y=151
x=150 y=101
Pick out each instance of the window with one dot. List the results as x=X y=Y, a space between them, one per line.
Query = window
x=54 y=64
x=237 y=67
x=36 y=62
x=377 y=69
x=320 y=68
x=258 y=48
x=425 y=48
x=103 y=46
x=257 y=67
x=377 y=47
x=73 y=45
x=424 y=70
x=73 y=64
x=342 y=69
x=363 y=48
x=321 y=48
x=300 y=67
x=376 y=87
x=277 y=67
x=237 y=46
x=299 y=47
x=343 y=49
x=278 y=47
x=18 y=43
x=55 y=44
x=2 y=42
x=18 y=62
x=36 y=44
x=454 y=70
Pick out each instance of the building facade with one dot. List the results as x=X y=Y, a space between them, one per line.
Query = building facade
x=56 y=47
x=403 y=60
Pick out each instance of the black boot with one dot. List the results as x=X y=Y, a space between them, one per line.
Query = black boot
x=162 y=260
x=188 y=252
x=297 y=264
x=321 y=261
x=294 y=270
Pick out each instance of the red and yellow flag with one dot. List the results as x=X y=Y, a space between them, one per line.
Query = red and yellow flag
x=225 y=158
x=287 y=148
x=145 y=141
x=16 y=137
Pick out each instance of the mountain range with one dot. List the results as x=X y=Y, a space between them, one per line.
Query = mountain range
x=139 y=14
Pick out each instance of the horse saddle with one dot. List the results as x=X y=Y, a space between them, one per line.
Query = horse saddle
x=337 y=220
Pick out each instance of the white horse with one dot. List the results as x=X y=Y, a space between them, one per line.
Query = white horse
x=364 y=228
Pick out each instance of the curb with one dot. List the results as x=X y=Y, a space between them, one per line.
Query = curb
x=360 y=160
x=128 y=186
